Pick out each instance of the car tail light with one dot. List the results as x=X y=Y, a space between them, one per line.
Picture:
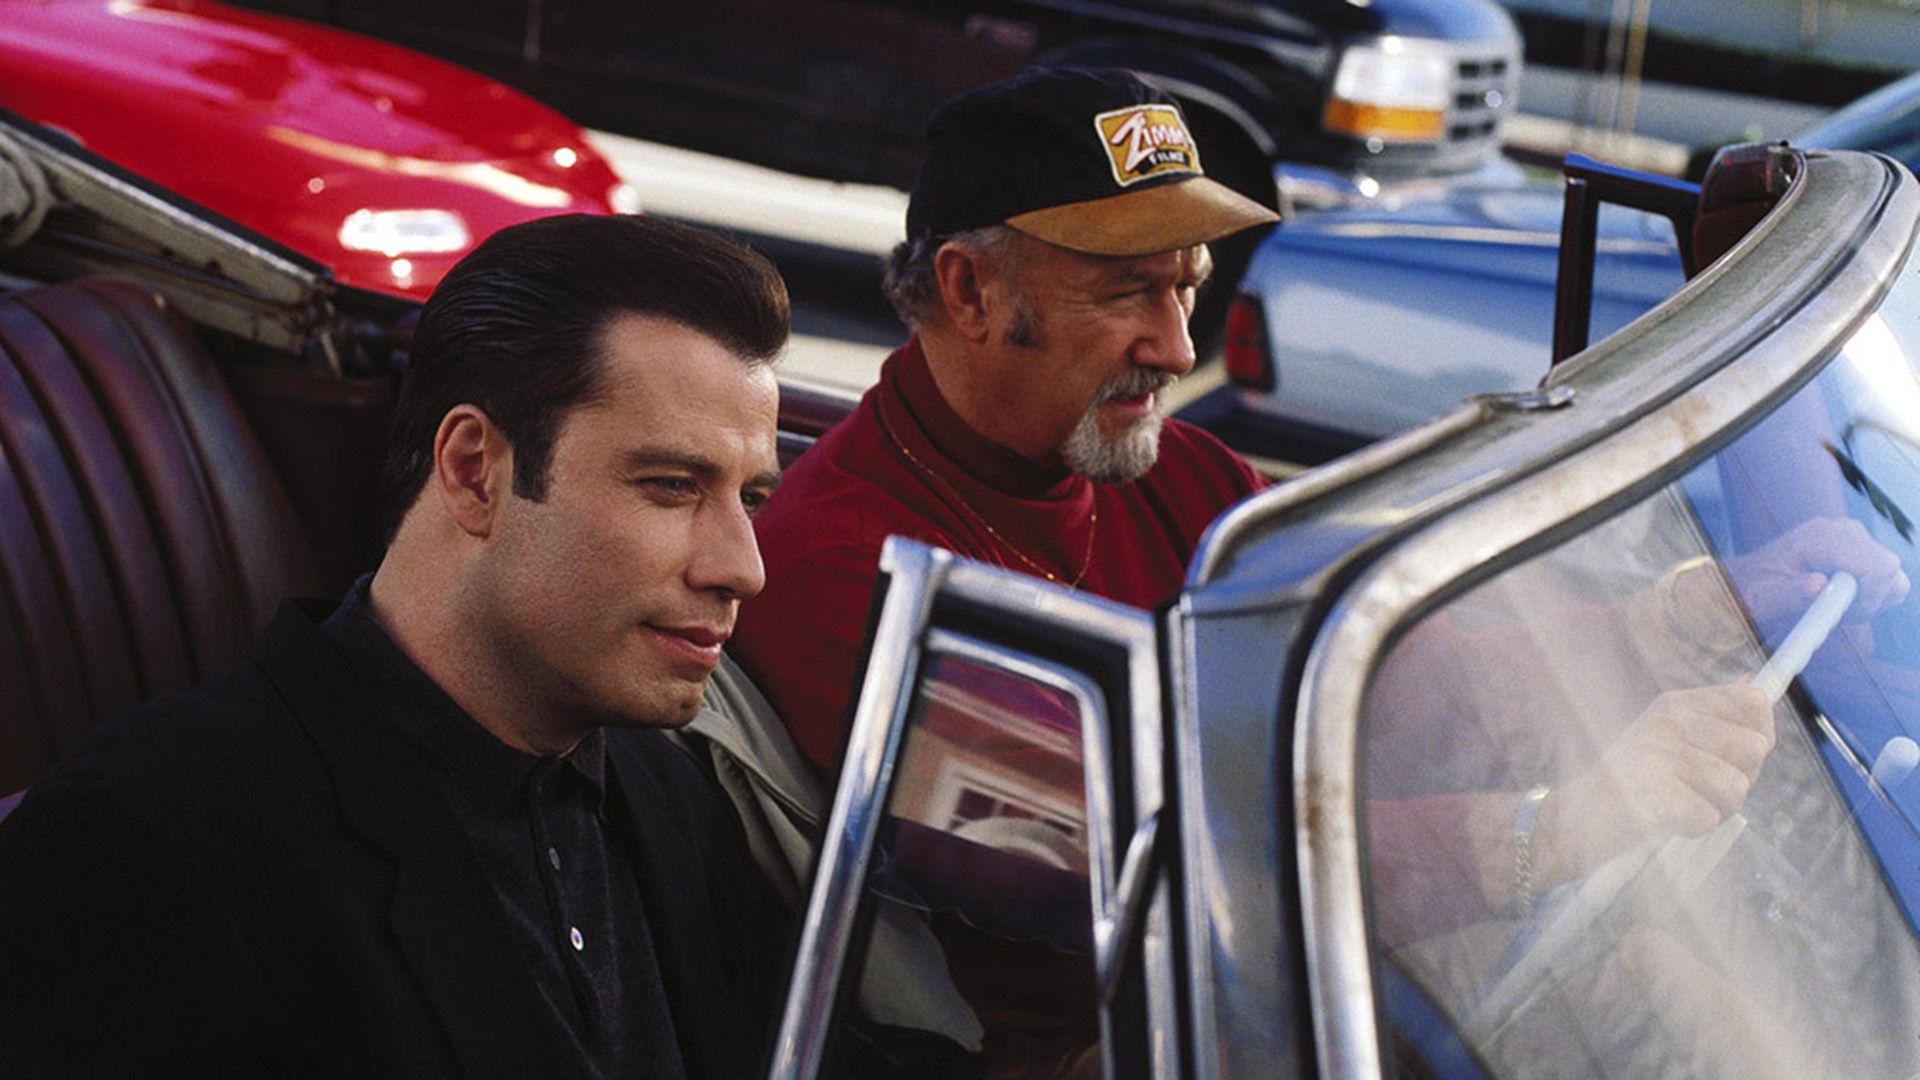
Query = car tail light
x=1244 y=349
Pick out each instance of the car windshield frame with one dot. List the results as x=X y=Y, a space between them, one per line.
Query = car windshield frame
x=1817 y=270
x=1332 y=565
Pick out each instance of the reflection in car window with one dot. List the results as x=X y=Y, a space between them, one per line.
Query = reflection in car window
x=985 y=835
x=1644 y=805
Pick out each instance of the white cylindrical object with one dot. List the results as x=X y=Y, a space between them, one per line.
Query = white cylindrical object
x=1807 y=635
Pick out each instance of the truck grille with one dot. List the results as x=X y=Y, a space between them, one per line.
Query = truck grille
x=1483 y=94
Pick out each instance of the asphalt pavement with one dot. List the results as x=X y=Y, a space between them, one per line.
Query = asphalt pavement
x=827 y=239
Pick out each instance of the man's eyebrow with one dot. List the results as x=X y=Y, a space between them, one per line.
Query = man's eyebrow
x=1198 y=269
x=1134 y=275
x=652 y=457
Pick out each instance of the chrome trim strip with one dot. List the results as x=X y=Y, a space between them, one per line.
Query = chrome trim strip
x=1820 y=280
x=1191 y=823
x=1113 y=933
x=1230 y=528
x=915 y=572
x=1049 y=605
x=1149 y=730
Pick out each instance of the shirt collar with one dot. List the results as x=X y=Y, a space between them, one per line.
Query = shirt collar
x=476 y=767
x=587 y=761
x=999 y=467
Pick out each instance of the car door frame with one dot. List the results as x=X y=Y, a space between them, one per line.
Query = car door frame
x=934 y=602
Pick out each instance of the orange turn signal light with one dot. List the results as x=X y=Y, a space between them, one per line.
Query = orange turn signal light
x=1384 y=121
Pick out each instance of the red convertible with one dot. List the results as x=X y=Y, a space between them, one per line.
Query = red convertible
x=384 y=164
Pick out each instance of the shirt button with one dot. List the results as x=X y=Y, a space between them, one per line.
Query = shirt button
x=573 y=935
x=553 y=858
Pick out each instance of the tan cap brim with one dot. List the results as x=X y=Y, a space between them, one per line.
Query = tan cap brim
x=1148 y=221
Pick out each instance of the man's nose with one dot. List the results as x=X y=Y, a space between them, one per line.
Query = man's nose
x=1168 y=343
x=727 y=556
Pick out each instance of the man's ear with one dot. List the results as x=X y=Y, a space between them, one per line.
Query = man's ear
x=960 y=272
x=472 y=468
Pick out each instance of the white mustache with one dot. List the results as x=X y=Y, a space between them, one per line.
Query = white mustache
x=1135 y=383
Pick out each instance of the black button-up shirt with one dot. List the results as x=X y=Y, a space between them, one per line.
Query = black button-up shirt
x=558 y=852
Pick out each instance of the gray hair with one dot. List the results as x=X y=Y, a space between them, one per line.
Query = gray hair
x=908 y=278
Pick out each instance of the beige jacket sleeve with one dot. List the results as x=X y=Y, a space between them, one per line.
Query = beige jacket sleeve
x=782 y=803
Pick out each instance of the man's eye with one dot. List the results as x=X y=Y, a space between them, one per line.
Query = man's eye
x=671 y=487
x=754 y=501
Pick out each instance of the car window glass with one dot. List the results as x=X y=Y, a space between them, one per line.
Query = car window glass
x=1597 y=843
x=1636 y=264
x=985 y=835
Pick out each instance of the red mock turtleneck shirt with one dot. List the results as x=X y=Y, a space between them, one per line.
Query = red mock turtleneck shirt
x=904 y=463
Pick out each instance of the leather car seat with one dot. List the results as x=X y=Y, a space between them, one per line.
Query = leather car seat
x=144 y=540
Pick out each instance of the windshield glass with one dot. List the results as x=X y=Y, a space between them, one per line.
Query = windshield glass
x=1643 y=804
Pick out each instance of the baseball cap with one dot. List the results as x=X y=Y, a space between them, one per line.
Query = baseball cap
x=1093 y=160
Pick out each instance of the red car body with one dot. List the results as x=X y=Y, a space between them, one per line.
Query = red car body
x=384 y=164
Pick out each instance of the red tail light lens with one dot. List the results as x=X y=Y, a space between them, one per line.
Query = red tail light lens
x=1244 y=349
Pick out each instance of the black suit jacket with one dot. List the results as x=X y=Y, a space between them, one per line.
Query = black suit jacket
x=257 y=878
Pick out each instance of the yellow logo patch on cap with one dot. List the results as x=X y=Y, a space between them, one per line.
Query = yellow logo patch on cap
x=1146 y=140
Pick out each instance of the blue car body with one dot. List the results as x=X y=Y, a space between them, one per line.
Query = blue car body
x=1377 y=315
x=1380 y=315
x=1887 y=120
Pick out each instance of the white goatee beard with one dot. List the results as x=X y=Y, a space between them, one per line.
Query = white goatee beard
x=1128 y=454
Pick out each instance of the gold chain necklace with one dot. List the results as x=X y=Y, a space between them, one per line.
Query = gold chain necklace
x=1093 y=517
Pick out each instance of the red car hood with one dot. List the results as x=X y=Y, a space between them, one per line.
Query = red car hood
x=289 y=127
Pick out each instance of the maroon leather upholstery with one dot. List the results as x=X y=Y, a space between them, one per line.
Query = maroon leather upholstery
x=143 y=538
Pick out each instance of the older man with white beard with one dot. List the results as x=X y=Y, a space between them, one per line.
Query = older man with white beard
x=1055 y=239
